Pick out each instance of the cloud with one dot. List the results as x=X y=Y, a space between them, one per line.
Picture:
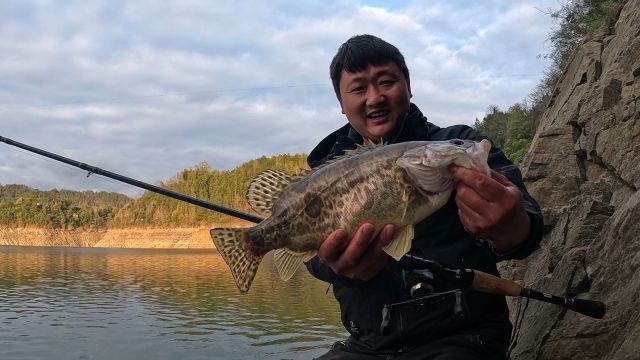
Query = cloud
x=149 y=88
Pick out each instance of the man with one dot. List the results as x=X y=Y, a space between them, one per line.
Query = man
x=490 y=218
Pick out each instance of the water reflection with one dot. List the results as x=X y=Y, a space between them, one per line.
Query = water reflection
x=61 y=303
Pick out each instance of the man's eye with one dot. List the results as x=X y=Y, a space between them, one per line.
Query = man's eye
x=387 y=82
x=357 y=89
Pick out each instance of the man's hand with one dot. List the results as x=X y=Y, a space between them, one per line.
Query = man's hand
x=361 y=257
x=491 y=208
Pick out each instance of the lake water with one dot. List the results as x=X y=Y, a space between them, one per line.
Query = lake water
x=88 y=303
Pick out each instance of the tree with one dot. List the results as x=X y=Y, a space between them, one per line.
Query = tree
x=513 y=131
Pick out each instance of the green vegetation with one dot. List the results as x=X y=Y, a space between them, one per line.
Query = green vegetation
x=226 y=188
x=59 y=209
x=63 y=209
x=513 y=130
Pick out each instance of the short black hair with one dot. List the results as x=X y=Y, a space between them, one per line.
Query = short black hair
x=360 y=51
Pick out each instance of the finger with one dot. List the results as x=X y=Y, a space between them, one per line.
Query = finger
x=455 y=171
x=501 y=178
x=472 y=199
x=386 y=235
x=482 y=184
x=374 y=258
x=333 y=246
x=460 y=171
x=464 y=221
x=356 y=247
x=469 y=218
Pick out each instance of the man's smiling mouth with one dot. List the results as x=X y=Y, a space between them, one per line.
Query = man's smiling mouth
x=378 y=114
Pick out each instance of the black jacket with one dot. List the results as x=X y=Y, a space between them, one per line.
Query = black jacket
x=440 y=237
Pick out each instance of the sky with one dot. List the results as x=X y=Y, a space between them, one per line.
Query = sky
x=149 y=88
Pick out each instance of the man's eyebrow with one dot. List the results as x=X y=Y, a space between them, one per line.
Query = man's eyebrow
x=356 y=79
x=386 y=72
x=376 y=74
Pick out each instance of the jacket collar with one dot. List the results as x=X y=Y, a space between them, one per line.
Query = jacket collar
x=414 y=127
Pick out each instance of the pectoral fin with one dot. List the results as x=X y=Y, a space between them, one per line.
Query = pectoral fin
x=401 y=243
x=406 y=199
x=287 y=261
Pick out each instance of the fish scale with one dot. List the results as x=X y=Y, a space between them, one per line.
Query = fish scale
x=398 y=184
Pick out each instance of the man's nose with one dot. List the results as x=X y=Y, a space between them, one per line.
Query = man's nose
x=374 y=96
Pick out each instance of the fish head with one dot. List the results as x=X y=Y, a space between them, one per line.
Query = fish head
x=427 y=164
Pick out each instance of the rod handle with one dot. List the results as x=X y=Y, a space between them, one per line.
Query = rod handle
x=494 y=285
x=591 y=308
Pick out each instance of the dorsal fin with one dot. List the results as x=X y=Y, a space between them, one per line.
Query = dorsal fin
x=265 y=189
x=367 y=145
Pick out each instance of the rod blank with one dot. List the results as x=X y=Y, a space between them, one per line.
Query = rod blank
x=134 y=182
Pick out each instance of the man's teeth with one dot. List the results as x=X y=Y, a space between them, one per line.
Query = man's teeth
x=378 y=114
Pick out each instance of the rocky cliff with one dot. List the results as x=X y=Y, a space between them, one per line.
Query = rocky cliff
x=584 y=169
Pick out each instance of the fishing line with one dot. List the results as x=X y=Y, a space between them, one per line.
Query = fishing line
x=519 y=318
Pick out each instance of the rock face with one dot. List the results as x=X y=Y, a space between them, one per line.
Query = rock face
x=584 y=169
x=48 y=237
x=157 y=238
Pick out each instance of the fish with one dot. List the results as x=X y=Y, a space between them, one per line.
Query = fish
x=398 y=184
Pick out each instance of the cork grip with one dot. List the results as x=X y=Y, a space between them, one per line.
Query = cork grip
x=494 y=285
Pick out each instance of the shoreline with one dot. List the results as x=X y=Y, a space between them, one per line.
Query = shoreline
x=138 y=238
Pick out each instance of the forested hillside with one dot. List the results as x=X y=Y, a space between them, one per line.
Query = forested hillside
x=513 y=129
x=226 y=188
x=22 y=206
x=59 y=209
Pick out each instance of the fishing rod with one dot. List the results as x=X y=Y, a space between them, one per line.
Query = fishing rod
x=487 y=283
x=466 y=278
x=134 y=182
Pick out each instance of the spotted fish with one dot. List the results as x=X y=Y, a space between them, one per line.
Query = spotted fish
x=398 y=184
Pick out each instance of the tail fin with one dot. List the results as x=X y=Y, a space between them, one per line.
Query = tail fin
x=233 y=245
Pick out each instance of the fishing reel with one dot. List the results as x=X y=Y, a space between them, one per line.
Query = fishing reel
x=429 y=298
x=419 y=283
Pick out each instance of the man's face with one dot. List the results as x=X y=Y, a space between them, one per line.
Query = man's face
x=375 y=100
